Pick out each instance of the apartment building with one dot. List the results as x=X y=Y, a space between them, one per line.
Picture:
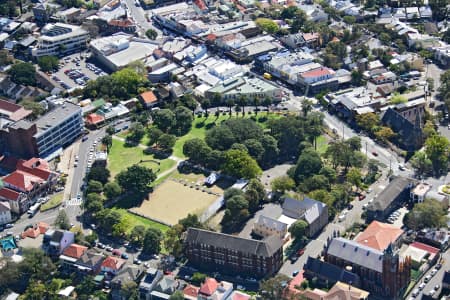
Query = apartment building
x=59 y=38
x=40 y=138
x=232 y=254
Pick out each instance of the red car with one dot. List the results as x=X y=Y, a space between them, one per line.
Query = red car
x=300 y=252
x=116 y=252
x=374 y=153
x=361 y=197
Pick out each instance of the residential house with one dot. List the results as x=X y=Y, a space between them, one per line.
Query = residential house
x=266 y=226
x=5 y=213
x=339 y=290
x=385 y=89
x=418 y=194
x=112 y=265
x=165 y=287
x=126 y=275
x=327 y=274
x=89 y=263
x=148 y=99
x=315 y=213
x=232 y=254
x=70 y=256
x=56 y=241
x=213 y=290
x=190 y=292
x=35 y=230
x=438 y=238
x=380 y=235
x=293 y=41
x=148 y=282
x=394 y=195
x=30 y=179
x=236 y=295
x=382 y=273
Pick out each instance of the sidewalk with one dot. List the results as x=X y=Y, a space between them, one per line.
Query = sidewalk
x=66 y=166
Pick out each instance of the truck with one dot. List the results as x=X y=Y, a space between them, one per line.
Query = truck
x=33 y=209
x=267 y=76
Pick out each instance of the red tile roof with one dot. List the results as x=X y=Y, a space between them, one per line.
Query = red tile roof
x=191 y=290
x=35 y=166
x=317 y=72
x=240 y=296
x=379 y=235
x=209 y=286
x=94 y=119
x=149 y=97
x=425 y=247
x=121 y=22
x=200 y=4
x=211 y=37
x=22 y=180
x=113 y=263
x=35 y=231
x=9 y=194
x=75 y=251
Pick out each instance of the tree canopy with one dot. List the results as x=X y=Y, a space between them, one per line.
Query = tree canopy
x=136 y=179
x=48 y=63
x=240 y=164
x=23 y=73
x=428 y=214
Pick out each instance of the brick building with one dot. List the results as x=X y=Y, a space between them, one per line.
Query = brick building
x=233 y=255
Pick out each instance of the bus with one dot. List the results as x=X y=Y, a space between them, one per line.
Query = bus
x=33 y=209
x=267 y=76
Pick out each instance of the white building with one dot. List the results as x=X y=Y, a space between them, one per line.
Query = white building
x=5 y=213
x=60 y=38
x=266 y=226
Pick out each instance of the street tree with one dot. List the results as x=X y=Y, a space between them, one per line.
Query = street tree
x=274 y=288
x=428 y=214
x=421 y=163
x=151 y=34
x=137 y=234
x=107 y=142
x=437 y=150
x=354 y=177
x=152 y=241
x=112 y=190
x=94 y=186
x=99 y=173
x=298 y=230
x=384 y=134
x=136 y=179
x=62 y=220
x=368 y=121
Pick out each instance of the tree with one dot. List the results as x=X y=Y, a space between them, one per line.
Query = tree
x=178 y=295
x=397 y=99
x=191 y=220
x=112 y=190
x=267 y=102
x=282 y=184
x=48 y=63
x=271 y=151
x=167 y=141
x=36 y=290
x=137 y=132
x=153 y=133
x=354 y=177
x=198 y=278
x=108 y=219
x=99 y=173
x=368 y=121
x=444 y=89
x=428 y=214
x=137 y=234
x=235 y=213
x=110 y=130
x=136 y=179
x=205 y=104
x=164 y=119
x=197 y=150
x=152 y=241
x=437 y=150
x=421 y=163
x=36 y=108
x=255 y=148
x=107 y=141
x=129 y=291
x=298 y=230
x=94 y=186
x=151 y=34
x=267 y=25
x=172 y=240
x=240 y=164
x=23 y=73
x=5 y=58
x=384 y=133
x=230 y=103
x=94 y=202
x=183 y=120
x=309 y=163
x=274 y=288
x=62 y=220
x=255 y=194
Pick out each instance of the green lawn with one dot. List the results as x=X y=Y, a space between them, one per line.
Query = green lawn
x=322 y=144
x=120 y=157
x=144 y=141
x=200 y=125
x=55 y=200
x=135 y=220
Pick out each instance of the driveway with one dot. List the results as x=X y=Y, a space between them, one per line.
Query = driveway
x=277 y=171
x=271 y=210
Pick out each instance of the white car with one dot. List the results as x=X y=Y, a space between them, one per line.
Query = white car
x=415 y=292
x=421 y=286
x=432 y=292
x=433 y=272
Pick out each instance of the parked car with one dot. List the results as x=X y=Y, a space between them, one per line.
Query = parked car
x=374 y=153
x=415 y=292
x=432 y=292
x=137 y=261
x=433 y=272
x=427 y=278
x=300 y=252
x=116 y=252
x=124 y=256
x=438 y=266
x=9 y=225
x=437 y=287
x=295 y=273
x=101 y=246
x=109 y=249
x=421 y=286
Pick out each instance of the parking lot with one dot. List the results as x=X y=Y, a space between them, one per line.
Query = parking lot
x=75 y=71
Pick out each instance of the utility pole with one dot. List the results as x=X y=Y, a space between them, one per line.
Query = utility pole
x=343 y=138
x=366 y=149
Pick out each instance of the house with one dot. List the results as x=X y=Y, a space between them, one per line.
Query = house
x=382 y=273
x=148 y=99
x=165 y=287
x=94 y=120
x=257 y=258
x=385 y=89
x=266 y=226
x=56 y=241
x=380 y=235
x=89 y=263
x=327 y=274
x=126 y=275
x=315 y=213
x=418 y=194
x=112 y=265
x=236 y=295
x=213 y=290
x=409 y=134
x=392 y=197
x=35 y=230
x=70 y=256
x=5 y=213
x=339 y=290
x=190 y=292
x=438 y=238
x=30 y=179
x=148 y=282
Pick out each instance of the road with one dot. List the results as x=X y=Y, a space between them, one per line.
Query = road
x=138 y=15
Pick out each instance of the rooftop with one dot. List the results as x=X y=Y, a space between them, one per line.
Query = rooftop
x=60 y=31
x=379 y=235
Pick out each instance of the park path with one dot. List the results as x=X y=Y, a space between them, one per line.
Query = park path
x=177 y=159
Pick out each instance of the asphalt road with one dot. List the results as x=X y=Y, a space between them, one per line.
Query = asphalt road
x=138 y=14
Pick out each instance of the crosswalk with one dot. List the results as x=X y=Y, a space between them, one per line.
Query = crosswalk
x=74 y=202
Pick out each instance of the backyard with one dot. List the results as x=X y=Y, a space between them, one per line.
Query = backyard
x=120 y=157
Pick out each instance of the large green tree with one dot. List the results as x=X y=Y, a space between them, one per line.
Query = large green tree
x=240 y=164
x=298 y=230
x=437 y=150
x=152 y=241
x=136 y=179
x=62 y=220
x=48 y=63
x=428 y=214
x=23 y=73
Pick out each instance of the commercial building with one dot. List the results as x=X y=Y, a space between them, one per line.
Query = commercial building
x=232 y=254
x=118 y=50
x=59 y=39
x=40 y=138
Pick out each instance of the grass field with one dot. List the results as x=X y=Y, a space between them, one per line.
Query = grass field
x=134 y=220
x=55 y=200
x=172 y=201
x=121 y=157
x=322 y=144
x=144 y=141
x=200 y=125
